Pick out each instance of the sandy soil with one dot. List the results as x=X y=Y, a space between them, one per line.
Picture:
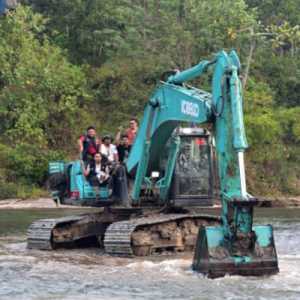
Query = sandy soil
x=30 y=203
x=49 y=203
x=281 y=202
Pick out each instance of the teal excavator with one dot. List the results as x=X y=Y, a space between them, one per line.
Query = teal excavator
x=168 y=164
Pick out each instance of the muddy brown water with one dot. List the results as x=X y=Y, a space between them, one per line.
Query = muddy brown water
x=90 y=274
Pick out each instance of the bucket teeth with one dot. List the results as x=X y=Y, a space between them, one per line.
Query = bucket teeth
x=215 y=256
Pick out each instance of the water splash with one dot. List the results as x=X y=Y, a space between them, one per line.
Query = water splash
x=90 y=274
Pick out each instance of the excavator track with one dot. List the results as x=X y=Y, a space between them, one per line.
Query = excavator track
x=78 y=230
x=154 y=234
x=40 y=233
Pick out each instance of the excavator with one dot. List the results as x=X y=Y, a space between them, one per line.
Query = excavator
x=171 y=169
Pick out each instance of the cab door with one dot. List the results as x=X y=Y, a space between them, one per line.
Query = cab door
x=192 y=182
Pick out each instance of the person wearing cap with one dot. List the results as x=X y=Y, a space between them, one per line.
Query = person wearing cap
x=108 y=149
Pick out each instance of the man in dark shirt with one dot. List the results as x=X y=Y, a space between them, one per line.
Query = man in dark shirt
x=89 y=145
x=123 y=148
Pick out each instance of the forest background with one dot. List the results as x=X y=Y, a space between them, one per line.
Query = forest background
x=66 y=64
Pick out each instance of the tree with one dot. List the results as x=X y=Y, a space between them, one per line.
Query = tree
x=67 y=64
x=41 y=92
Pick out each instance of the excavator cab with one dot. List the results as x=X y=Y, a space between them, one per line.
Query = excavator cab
x=193 y=180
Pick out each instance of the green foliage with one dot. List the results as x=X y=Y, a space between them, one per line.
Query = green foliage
x=17 y=181
x=283 y=76
x=28 y=164
x=93 y=30
x=8 y=190
x=122 y=87
x=66 y=64
x=273 y=12
x=41 y=91
x=23 y=168
x=14 y=190
x=273 y=133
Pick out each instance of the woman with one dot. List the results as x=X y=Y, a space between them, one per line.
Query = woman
x=97 y=172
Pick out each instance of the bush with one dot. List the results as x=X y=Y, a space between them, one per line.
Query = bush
x=8 y=190
x=28 y=164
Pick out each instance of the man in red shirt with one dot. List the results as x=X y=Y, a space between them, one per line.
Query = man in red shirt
x=89 y=144
x=131 y=132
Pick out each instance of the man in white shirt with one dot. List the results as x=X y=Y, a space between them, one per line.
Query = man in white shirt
x=97 y=172
x=108 y=149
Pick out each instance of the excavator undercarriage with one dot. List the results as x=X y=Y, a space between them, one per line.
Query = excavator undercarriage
x=122 y=232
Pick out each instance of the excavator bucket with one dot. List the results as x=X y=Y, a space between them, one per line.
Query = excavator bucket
x=253 y=255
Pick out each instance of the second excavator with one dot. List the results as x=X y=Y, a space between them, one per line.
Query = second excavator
x=172 y=170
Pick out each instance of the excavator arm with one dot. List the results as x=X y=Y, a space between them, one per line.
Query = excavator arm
x=169 y=106
x=237 y=247
x=172 y=103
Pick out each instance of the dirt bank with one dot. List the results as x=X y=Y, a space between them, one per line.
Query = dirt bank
x=49 y=203
x=280 y=202
x=29 y=203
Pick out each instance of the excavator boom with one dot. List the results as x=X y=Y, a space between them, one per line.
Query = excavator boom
x=237 y=247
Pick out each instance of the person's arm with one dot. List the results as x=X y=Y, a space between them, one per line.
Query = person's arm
x=107 y=170
x=87 y=171
x=101 y=149
x=104 y=174
x=80 y=145
x=98 y=144
x=118 y=136
x=116 y=157
x=115 y=154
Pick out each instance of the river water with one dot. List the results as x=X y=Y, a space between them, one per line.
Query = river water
x=90 y=274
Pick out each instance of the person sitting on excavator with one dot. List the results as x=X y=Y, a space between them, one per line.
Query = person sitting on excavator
x=89 y=145
x=97 y=172
x=109 y=150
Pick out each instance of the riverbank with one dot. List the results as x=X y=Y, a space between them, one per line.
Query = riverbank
x=49 y=203
x=279 y=202
x=30 y=203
